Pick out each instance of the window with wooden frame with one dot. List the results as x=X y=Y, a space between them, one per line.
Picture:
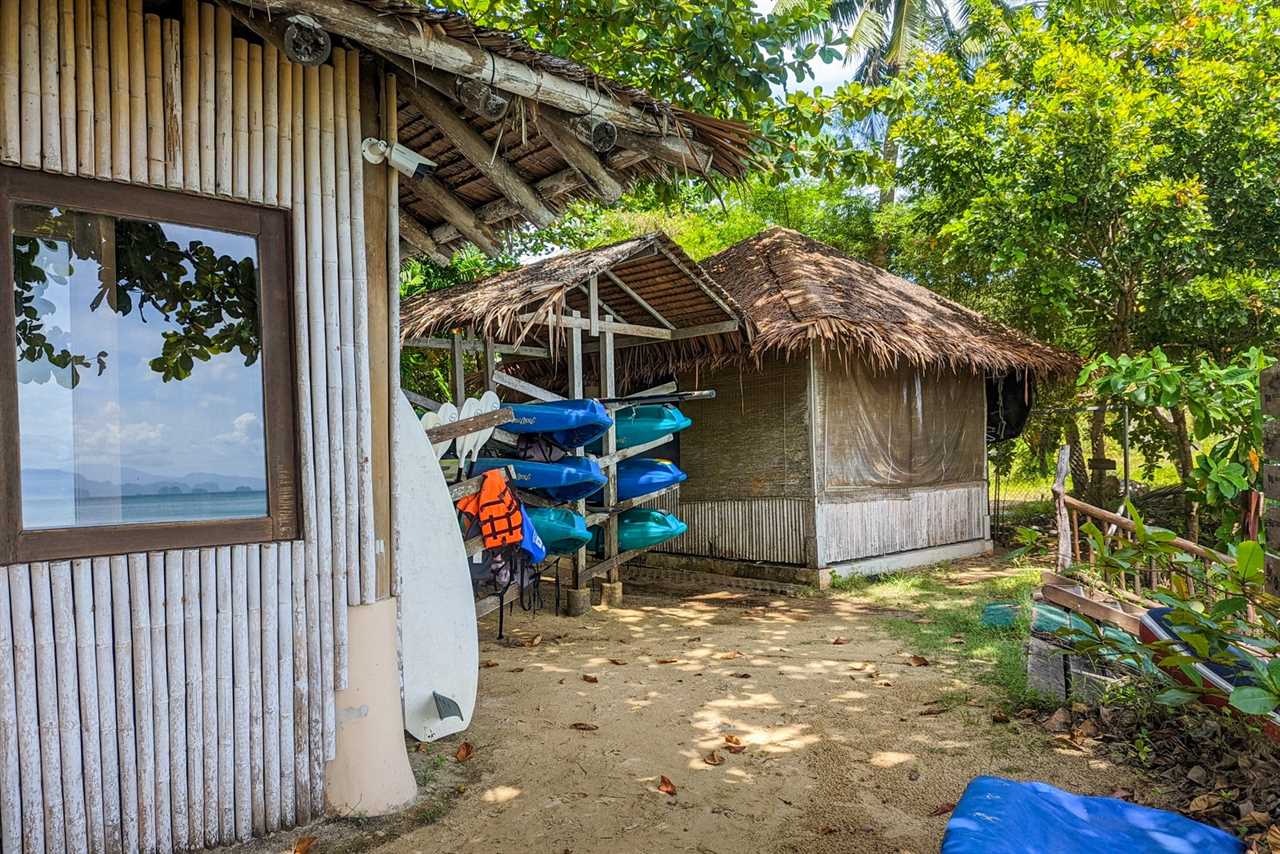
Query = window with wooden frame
x=149 y=401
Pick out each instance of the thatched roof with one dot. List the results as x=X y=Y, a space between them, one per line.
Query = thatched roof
x=795 y=291
x=503 y=307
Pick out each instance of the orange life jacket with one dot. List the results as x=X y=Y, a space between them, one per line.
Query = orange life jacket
x=496 y=510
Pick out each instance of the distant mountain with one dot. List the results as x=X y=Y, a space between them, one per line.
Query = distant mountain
x=99 y=480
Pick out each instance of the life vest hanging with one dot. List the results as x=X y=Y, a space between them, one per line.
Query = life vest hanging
x=496 y=511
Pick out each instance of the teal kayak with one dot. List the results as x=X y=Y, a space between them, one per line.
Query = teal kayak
x=562 y=531
x=640 y=528
x=637 y=425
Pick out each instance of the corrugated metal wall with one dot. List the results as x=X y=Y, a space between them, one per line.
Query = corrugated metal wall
x=755 y=529
x=176 y=700
x=921 y=518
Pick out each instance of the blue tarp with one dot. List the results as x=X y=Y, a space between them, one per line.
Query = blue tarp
x=998 y=816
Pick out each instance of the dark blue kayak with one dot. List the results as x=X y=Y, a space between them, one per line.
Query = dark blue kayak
x=638 y=477
x=568 y=423
x=640 y=528
x=998 y=816
x=567 y=480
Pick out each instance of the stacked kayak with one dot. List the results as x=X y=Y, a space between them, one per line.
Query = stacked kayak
x=638 y=425
x=562 y=531
x=568 y=423
x=640 y=528
x=570 y=479
x=637 y=477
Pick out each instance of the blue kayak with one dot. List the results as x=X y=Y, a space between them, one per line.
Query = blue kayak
x=568 y=423
x=998 y=816
x=569 y=479
x=640 y=528
x=562 y=531
x=638 y=477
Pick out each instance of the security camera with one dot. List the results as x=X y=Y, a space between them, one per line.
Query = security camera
x=403 y=159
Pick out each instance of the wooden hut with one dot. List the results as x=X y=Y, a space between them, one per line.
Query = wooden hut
x=199 y=478
x=851 y=436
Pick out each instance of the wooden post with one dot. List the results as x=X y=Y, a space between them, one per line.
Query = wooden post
x=101 y=90
x=29 y=49
x=579 y=595
x=490 y=365
x=256 y=142
x=174 y=126
x=153 y=98
x=611 y=594
x=190 y=69
x=220 y=118
x=210 y=94
x=137 y=93
x=458 y=368
x=1270 y=389
x=1063 y=562
x=50 y=111
x=10 y=84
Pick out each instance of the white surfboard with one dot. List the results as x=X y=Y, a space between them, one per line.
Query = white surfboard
x=440 y=643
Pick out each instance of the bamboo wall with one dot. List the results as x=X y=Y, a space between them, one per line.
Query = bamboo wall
x=184 y=699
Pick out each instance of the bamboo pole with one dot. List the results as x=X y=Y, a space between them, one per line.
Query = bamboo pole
x=270 y=125
x=367 y=569
x=137 y=94
x=119 y=68
x=68 y=102
x=255 y=126
x=226 y=722
x=285 y=169
x=159 y=697
x=29 y=80
x=320 y=621
x=346 y=579
x=270 y=658
x=50 y=88
x=194 y=691
x=26 y=720
x=240 y=689
x=223 y=118
x=68 y=704
x=190 y=68
x=253 y=721
x=101 y=90
x=209 y=91
x=10 y=83
x=47 y=707
x=209 y=694
x=127 y=743
x=308 y=554
x=104 y=657
x=284 y=623
x=153 y=62
x=142 y=698
x=391 y=115
x=175 y=661
x=174 y=128
x=82 y=29
x=240 y=118
x=10 y=758
x=90 y=736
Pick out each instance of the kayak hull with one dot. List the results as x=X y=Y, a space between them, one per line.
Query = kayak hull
x=568 y=423
x=570 y=479
x=642 y=528
x=562 y=531
x=639 y=425
x=637 y=477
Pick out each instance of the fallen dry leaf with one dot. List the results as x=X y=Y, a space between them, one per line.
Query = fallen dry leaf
x=732 y=739
x=587 y=677
x=1258 y=818
x=488 y=662
x=839 y=641
x=581 y=727
x=935 y=710
x=304 y=844
x=918 y=661
x=666 y=786
x=516 y=670
x=465 y=752
x=667 y=660
x=533 y=641
x=941 y=809
x=729 y=656
x=1273 y=837
x=999 y=718
x=1204 y=803
x=713 y=758
x=884 y=683
x=827 y=830
x=740 y=675
x=617 y=661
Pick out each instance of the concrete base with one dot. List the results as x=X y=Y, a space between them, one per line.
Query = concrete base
x=611 y=594
x=761 y=570
x=370 y=774
x=577 y=602
x=886 y=564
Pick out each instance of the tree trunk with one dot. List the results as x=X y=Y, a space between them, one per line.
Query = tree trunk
x=888 y=193
x=1191 y=508
x=1079 y=471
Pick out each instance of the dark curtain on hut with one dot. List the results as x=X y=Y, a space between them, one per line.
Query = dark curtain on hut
x=902 y=428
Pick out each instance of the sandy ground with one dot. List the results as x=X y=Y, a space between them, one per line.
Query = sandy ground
x=849 y=748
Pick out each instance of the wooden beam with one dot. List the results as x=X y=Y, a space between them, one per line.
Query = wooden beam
x=456 y=212
x=593 y=308
x=459 y=370
x=401 y=36
x=583 y=323
x=412 y=233
x=600 y=515
x=1094 y=610
x=516 y=384
x=697 y=278
x=684 y=153
x=478 y=152
x=639 y=300
x=554 y=127
x=613 y=458
x=550 y=187
x=466 y=426
x=676 y=335
x=472 y=346
x=421 y=400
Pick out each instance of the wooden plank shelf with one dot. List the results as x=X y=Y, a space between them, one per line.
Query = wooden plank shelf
x=601 y=514
x=467 y=426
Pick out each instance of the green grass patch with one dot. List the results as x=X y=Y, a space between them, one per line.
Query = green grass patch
x=946 y=619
